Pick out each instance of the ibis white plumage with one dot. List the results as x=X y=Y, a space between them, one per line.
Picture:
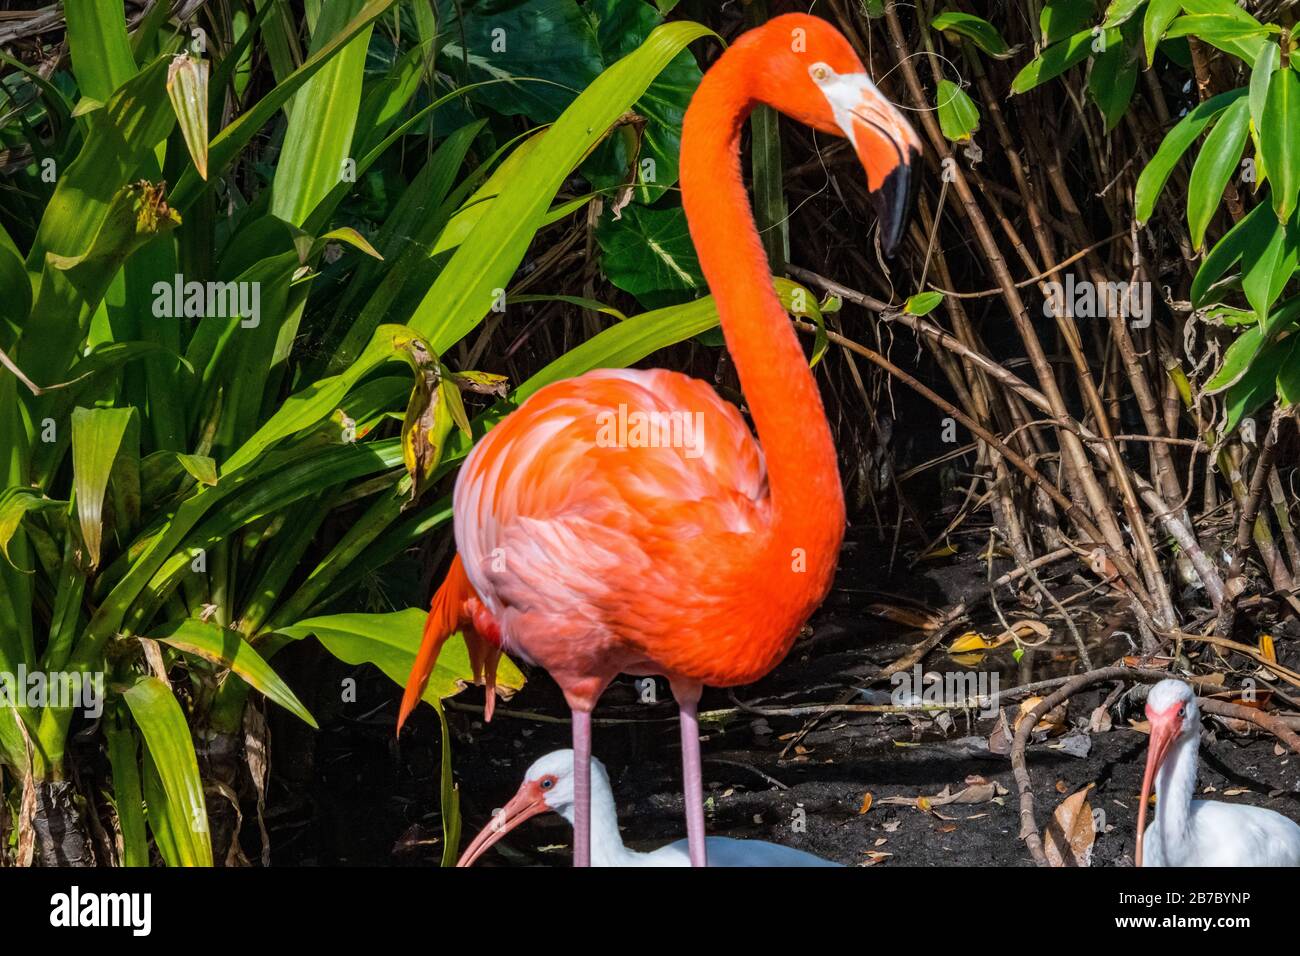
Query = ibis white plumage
x=1189 y=832
x=548 y=787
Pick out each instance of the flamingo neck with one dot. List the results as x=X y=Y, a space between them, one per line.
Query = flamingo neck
x=1175 y=783
x=803 y=476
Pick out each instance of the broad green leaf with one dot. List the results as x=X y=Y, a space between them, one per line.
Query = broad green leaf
x=128 y=796
x=1228 y=32
x=1266 y=272
x=1279 y=141
x=1062 y=18
x=1245 y=239
x=958 y=115
x=319 y=138
x=1251 y=347
x=1288 y=376
x=167 y=735
x=228 y=648
x=201 y=468
x=1214 y=166
x=649 y=253
x=14 y=505
x=1176 y=142
x=1111 y=81
x=101 y=53
x=1257 y=387
x=980 y=32
x=1160 y=13
x=1119 y=11
x=1058 y=58
x=390 y=642
x=923 y=303
x=98 y=435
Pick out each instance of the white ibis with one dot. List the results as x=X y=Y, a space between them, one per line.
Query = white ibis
x=548 y=786
x=1189 y=832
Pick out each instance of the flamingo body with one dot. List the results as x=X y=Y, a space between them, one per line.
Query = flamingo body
x=548 y=785
x=1189 y=832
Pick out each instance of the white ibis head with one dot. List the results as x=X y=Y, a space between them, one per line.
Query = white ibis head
x=1173 y=716
x=547 y=787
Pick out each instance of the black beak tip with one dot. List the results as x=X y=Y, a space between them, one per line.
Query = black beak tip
x=893 y=202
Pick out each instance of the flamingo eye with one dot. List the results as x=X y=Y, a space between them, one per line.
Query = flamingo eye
x=820 y=72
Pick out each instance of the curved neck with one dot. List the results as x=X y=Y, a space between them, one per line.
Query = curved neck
x=803 y=475
x=1174 y=786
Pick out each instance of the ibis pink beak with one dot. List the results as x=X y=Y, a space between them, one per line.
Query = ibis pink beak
x=1165 y=726
x=526 y=803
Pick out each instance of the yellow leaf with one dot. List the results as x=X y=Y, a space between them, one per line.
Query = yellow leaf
x=970 y=641
x=866 y=803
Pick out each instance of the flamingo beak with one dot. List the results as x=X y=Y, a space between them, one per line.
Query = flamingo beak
x=1165 y=727
x=528 y=802
x=887 y=147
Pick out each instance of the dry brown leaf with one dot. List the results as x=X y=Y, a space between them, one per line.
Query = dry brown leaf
x=876 y=856
x=866 y=803
x=977 y=793
x=918 y=618
x=1070 y=835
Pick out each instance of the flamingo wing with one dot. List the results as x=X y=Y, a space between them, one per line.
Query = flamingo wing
x=592 y=519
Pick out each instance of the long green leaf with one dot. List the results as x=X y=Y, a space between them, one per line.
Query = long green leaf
x=167 y=736
x=97 y=438
x=1214 y=166
x=224 y=646
x=1279 y=141
x=1176 y=142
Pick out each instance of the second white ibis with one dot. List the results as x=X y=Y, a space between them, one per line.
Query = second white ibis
x=1189 y=832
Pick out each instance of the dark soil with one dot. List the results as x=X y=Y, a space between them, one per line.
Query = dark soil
x=352 y=795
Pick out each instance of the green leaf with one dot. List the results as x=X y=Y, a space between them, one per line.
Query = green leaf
x=14 y=505
x=98 y=435
x=227 y=647
x=1279 y=141
x=1111 y=81
x=1247 y=237
x=128 y=797
x=1176 y=142
x=1242 y=36
x=649 y=253
x=980 y=32
x=1120 y=11
x=324 y=114
x=958 y=115
x=167 y=736
x=923 y=303
x=1257 y=386
x=1160 y=13
x=201 y=468
x=1214 y=166
x=1288 y=375
x=1267 y=271
x=1062 y=18
x=1252 y=347
x=390 y=642
x=1056 y=59
x=101 y=53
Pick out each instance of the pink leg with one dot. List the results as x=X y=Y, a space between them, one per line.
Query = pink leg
x=581 y=787
x=688 y=699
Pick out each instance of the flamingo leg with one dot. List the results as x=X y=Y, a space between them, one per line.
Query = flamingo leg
x=688 y=699
x=581 y=787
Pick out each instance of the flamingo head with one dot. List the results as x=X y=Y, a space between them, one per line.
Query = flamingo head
x=547 y=787
x=807 y=70
x=1173 y=716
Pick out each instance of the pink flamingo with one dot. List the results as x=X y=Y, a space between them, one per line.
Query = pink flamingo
x=698 y=560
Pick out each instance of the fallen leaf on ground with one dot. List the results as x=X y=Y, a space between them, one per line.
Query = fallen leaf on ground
x=909 y=617
x=866 y=803
x=1070 y=835
x=978 y=793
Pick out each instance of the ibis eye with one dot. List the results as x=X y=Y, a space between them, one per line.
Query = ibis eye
x=1182 y=711
x=548 y=783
